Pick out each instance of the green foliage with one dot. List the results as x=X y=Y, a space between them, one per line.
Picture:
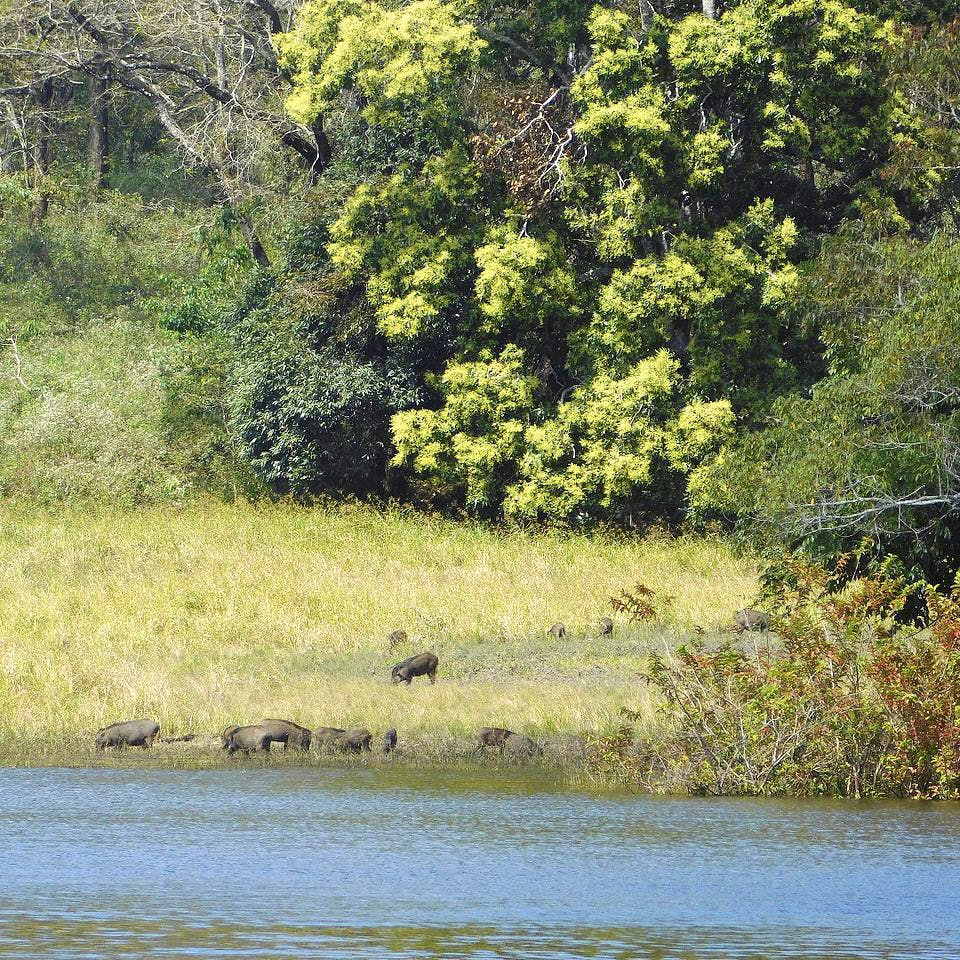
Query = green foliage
x=523 y=283
x=200 y=303
x=871 y=450
x=196 y=417
x=612 y=449
x=93 y=420
x=554 y=269
x=406 y=63
x=784 y=94
x=311 y=417
x=406 y=236
x=924 y=67
x=724 y=291
x=99 y=402
x=470 y=445
x=92 y=258
x=618 y=447
x=613 y=297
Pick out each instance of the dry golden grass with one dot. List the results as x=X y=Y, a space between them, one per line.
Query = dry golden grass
x=228 y=613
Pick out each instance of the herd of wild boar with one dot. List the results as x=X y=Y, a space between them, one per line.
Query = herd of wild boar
x=258 y=737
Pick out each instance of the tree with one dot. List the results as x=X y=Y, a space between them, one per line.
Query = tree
x=564 y=198
x=208 y=72
x=874 y=450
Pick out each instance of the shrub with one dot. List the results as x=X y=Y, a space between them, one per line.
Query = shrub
x=121 y=413
x=844 y=701
x=312 y=420
x=90 y=259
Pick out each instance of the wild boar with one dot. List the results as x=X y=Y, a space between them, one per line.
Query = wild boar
x=251 y=739
x=327 y=736
x=558 y=631
x=396 y=639
x=522 y=746
x=423 y=664
x=502 y=739
x=389 y=740
x=288 y=733
x=606 y=626
x=130 y=733
x=354 y=739
x=493 y=737
x=225 y=736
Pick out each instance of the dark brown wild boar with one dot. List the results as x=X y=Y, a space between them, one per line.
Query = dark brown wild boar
x=422 y=665
x=250 y=739
x=500 y=738
x=356 y=740
x=225 y=736
x=288 y=733
x=130 y=733
x=606 y=626
x=327 y=736
x=493 y=737
x=389 y=740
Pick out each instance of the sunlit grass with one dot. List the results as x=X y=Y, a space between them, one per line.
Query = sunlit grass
x=216 y=614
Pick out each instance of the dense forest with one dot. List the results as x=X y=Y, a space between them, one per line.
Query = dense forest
x=558 y=262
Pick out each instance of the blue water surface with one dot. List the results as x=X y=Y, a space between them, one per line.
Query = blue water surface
x=392 y=862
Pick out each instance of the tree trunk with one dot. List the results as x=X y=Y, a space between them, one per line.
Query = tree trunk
x=43 y=95
x=250 y=237
x=710 y=9
x=98 y=141
x=679 y=342
x=646 y=15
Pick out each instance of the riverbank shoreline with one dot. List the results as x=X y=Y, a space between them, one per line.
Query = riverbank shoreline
x=564 y=756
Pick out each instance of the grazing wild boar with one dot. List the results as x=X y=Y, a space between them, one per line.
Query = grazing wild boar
x=493 y=737
x=354 y=739
x=288 y=733
x=225 y=736
x=748 y=619
x=327 y=736
x=422 y=665
x=500 y=738
x=606 y=626
x=558 y=631
x=251 y=739
x=396 y=638
x=130 y=733
x=389 y=740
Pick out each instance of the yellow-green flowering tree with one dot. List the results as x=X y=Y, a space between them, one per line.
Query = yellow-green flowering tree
x=576 y=227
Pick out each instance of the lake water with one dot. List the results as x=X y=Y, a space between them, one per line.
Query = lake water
x=390 y=862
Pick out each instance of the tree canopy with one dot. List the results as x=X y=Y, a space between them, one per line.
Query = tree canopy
x=561 y=262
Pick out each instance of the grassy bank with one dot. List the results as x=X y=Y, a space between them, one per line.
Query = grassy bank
x=217 y=614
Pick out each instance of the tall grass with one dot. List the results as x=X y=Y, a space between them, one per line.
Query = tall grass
x=226 y=613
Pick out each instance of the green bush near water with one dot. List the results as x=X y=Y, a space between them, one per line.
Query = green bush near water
x=843 y=700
